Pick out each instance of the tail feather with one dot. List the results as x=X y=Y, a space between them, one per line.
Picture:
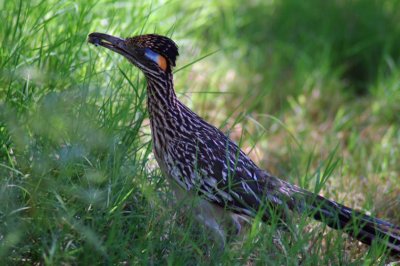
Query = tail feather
x=360 y=226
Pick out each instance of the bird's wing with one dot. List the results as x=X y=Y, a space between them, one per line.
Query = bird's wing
x=223 y=174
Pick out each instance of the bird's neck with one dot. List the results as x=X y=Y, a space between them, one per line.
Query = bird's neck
x=162 y=106
x=161 y=97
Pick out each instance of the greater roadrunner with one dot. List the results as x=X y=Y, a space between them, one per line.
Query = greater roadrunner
x=198 y=159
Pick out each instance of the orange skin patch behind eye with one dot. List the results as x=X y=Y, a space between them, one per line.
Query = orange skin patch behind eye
x=162 y=62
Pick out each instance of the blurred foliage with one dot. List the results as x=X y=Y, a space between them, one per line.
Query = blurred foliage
x=277 y=47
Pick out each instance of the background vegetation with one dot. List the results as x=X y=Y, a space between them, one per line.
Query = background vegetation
x=311 y=90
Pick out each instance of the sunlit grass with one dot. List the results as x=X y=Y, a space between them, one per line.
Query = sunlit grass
x=78 y=181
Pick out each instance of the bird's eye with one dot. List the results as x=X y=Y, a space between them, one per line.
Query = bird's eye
x=158 y=59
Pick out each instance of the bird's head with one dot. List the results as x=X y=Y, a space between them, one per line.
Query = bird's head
x=151 y=53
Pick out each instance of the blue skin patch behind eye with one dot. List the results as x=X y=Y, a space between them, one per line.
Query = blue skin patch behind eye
x=151 y=55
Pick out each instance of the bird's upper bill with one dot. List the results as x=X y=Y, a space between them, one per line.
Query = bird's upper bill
x=146 y=51
x=105 y=40
x=115 y=44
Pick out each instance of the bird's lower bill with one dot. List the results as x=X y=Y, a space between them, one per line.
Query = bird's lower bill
x=105 y=40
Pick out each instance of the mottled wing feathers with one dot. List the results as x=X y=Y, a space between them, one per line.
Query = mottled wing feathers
x=206 y=161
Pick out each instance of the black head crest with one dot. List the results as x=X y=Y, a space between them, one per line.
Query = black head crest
x=158 y=44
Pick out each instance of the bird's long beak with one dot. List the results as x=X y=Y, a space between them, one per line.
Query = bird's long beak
x=113 y=43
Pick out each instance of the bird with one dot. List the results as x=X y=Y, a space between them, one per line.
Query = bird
x=200 y=161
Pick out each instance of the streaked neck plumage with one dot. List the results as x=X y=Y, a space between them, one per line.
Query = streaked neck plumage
x=161 y=97
x=163 y=110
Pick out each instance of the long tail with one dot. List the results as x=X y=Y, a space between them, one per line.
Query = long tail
x=360 y=226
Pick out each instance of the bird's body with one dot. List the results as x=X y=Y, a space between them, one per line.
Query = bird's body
x=198 y=157
x=199 y=160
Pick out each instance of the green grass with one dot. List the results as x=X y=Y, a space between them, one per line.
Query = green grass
x=78 y=182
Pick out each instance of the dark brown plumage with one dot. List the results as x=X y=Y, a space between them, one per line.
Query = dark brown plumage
x=157 y=43
x=198 y=159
